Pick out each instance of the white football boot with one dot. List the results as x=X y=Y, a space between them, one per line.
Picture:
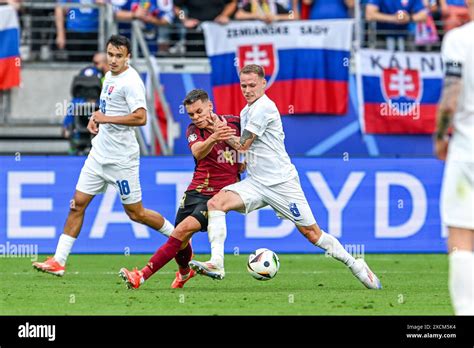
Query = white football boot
x=207 y=269
x=361 y=271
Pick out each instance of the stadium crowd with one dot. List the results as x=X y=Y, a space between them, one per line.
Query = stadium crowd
x=172 y=27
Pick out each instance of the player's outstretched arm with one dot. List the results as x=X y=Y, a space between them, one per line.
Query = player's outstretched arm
x=243 y=142
x=202 y=148
x=136 y=118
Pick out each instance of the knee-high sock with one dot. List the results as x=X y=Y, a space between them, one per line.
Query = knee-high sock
x=461 y=281
x=217 y=230
x=167 y=228
x=335 y=249
x=63 y=248
x=182 y=259
x=161 y=257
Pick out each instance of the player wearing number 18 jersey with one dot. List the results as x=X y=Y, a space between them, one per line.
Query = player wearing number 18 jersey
x=114 y=158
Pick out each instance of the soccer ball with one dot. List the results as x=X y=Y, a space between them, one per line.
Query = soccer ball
x=263 y=264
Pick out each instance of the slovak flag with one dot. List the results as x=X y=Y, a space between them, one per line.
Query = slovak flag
x=400 y=91
x=9 y=48
x=306 y=63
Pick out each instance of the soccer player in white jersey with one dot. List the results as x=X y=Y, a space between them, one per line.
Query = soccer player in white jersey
x=272 y=180
x=456 y=108
x=115 y=155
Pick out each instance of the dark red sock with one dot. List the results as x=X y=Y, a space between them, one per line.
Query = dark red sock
x=183 y=257
x=161 y=257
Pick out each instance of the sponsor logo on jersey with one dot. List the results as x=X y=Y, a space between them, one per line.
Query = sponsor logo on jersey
x=192 y=138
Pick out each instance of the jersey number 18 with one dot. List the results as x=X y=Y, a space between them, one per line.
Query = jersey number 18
x=123 y=187
x=102 y=106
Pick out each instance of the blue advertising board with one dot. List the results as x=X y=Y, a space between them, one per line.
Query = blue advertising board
x=372 y=205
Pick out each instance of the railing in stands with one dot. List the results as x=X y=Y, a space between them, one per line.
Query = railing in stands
x=39 y=33
x=166 y=145
x=38 y=39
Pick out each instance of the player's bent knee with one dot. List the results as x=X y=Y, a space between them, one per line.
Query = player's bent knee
x=214 y=204
x=76 y=208
x=137 y=216
x=79 y=203
x=181 y=232
x=311 y=233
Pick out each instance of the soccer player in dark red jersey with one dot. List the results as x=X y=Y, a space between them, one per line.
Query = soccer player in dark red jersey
x=216 y=167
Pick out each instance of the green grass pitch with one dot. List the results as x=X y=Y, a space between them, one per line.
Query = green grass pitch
x=305 y=285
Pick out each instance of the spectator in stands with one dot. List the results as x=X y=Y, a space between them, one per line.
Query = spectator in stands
x=85 y=90
x=154 y=16
x=37 y=33
x=100 y=63
x=454 y=12
x=15 y=3
x=393 y=17
x=323 y=9
x=291 y=5
x=192 y=12
x=80 y=34
x=426 y=33
x=264 y=10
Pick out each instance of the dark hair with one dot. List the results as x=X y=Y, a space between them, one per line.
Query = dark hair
x=119 y=40
x=253 y=69
x=195 y=95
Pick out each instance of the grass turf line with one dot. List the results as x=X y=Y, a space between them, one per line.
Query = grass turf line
x=305 y=285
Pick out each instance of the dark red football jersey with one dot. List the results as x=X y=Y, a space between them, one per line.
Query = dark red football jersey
x=220 y=167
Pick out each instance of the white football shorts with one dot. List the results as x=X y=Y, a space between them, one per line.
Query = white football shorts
x=95 y=177
x=457 y=195
x=287 y=199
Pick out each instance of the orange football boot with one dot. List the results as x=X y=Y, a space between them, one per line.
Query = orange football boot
x=50 y=266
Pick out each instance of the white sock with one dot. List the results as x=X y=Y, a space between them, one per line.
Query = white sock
x=217 y=230
x=461 y=281
x=63 y=249
x=167 y=228
x=335 y=249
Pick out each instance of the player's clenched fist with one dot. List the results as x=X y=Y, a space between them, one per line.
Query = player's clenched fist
x=99 y=117
x=92 y=126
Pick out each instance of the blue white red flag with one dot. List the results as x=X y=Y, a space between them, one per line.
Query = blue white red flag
x=306 y=63
x=400 y=91
x=9 y=48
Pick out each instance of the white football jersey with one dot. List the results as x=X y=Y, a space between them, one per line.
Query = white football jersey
x=267 y=159
x=121 y=95
x=458 y=47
